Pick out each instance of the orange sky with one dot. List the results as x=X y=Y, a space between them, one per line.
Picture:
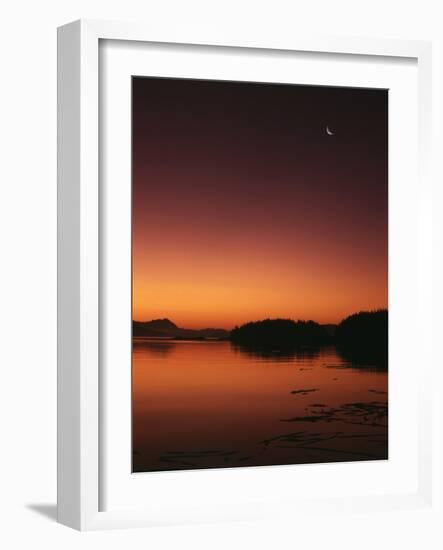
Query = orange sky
x=244 y=208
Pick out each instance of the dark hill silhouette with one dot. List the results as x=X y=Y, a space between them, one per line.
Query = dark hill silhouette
x=161 y=324
x=281 y=334
x=164 y=328
x=363 y=337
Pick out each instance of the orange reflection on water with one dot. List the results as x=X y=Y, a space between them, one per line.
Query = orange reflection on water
x=209 y=404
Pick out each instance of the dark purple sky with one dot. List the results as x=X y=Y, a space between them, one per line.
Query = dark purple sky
x=245 y=208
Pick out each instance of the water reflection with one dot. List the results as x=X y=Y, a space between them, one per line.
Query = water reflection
x=374 y=413
x=275 y=355
x=146 y=345
x=374 y=360
x=211 y=404
x=350 y=359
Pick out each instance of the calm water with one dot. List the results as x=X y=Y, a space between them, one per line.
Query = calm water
x=211 y=405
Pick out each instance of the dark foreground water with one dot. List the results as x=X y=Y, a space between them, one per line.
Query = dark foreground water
x=212 y=405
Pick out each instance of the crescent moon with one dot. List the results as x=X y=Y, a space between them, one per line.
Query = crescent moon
x=329 y=132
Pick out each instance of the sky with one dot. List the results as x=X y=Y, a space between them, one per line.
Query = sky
x=245 y=208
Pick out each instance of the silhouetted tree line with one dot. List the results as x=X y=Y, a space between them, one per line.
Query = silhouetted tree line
x=361 y=337
x=280 y=333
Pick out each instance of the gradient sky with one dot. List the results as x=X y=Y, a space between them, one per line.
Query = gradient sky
x=244 y=208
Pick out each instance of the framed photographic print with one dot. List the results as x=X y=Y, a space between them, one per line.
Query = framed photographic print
x=260 y=210
x=239 y=225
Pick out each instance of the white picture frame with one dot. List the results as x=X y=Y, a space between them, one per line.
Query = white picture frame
x=80 y=411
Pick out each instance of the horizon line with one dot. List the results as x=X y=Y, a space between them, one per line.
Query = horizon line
x=218 y=327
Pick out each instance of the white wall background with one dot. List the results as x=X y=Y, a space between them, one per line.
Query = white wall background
x=28 y=266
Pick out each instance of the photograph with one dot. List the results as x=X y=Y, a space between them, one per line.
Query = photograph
x=259 y=274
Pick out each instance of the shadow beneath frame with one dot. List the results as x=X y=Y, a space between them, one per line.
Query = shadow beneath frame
x=49 y=511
